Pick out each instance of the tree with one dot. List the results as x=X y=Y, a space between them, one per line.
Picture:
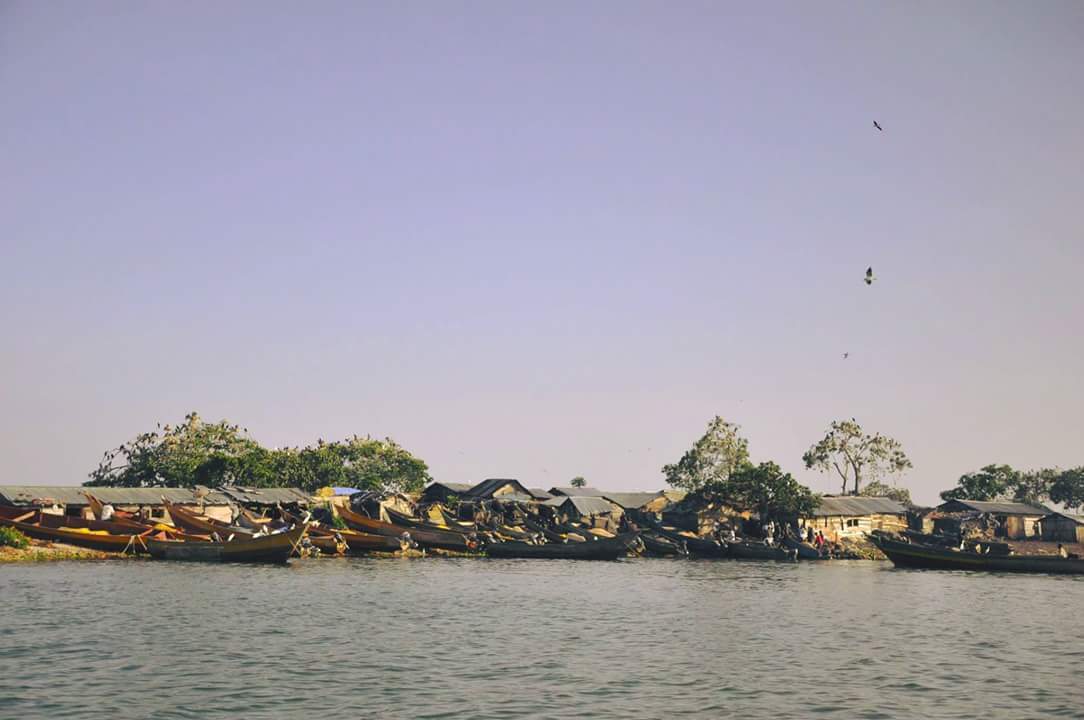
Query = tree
x=578 y=482
x=766 y=489
x=993 y=482
x=854 y=455
x=1033 y=486
x=879 y=489
x=1068 y=488
x=711 y=460
x=198 y=453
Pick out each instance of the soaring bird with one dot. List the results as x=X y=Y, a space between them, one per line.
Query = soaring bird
x=869 y=276
x=878 y=126
x=846 y=355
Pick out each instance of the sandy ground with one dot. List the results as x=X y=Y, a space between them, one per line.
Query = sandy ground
x=1031 y=547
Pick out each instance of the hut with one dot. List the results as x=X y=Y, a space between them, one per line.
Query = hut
x=1012 y=520
x=575 y=491
x=1062 y=527
x=72 y=500
x=496 y=488
x=842 y=516
x=262 y=500
x=598 y=511
x=642 y=506
x=442 y=492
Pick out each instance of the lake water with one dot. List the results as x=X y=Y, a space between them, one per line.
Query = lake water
x=438 y=638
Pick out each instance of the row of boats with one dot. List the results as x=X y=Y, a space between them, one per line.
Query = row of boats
x=918 y=550
x=249 y=538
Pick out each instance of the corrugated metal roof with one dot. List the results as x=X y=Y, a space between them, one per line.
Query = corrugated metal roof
x=73 y=495
x=583 y=505
x=454 y=487
x=576 y=491
x=995 y=508
x=1078 y=519
x=515 y=497
x=487 y=487
x=539 y=493
x=854 y=505
x=266 y=496
x=632 y=500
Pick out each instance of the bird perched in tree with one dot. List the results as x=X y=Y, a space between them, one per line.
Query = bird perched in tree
x=878 y=126
x=869 y=275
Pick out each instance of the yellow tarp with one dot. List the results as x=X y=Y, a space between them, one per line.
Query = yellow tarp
x=87 y=531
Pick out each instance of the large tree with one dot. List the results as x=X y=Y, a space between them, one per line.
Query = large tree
x=992 y=482
x=199 y=453
x=578 y=482
x=711 y=460
x=768 y=490
x=1068 y=488
x=855 y=455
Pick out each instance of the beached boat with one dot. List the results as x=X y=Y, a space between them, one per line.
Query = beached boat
x=191 y=522
x=80 y=537
x=661 y=546
x=440 y=539
x=744 y=550
x=914 y=555
x=806 y=551
x=276 y=547
x=602 y=549
x=696 y=546
x=357 y=543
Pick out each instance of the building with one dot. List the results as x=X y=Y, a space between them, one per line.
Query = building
x=442 y=492
x=260 y=499
x=850 y=515
x=1062 y=527
x=72 y=500
x=576 y=492
x=498 y=488
x=1012 y=520
x=641 y=506
x=576 y=508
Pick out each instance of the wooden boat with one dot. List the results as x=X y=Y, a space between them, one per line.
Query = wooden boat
x=661 y=546
x=412 y=523
x=80 y=537
x=696 y=546
x=425 y=538
x=744 y=550
x=194 y=523
x=276 y=547
x=914 y=555
x=357 y=543
x=607 y=549
x=551 y=535
x=806 y=551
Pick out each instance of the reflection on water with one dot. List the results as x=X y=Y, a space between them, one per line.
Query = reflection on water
x=535 y=639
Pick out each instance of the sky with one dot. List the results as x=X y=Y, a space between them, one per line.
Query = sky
x=541 y=240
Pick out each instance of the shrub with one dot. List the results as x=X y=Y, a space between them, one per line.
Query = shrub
x=13 y=538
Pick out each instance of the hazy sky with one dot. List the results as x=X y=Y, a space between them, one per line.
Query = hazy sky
x=540 y=240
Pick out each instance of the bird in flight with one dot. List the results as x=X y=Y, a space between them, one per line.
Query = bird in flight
x=876 y=125
x=846 y=355
x=869 y=275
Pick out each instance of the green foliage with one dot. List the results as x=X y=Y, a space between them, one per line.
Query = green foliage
x=336 y=522
x=855 y=455
x=993 y=482
x=711 y=460
x=199 y=453
x=1068 y=488
x=766 y=489
x=578 y=482
x=880 y=489
x=1033 y=486
x=10 y=537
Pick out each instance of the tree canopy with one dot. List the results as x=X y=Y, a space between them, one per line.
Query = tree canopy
x=198 y=453
x=578 y=482
x=1068 y=488
x=880 y=489
x=992 y=482
x=711 y=460
x=766 y=489
x=855 y=455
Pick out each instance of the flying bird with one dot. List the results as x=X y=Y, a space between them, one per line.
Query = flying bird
x=869 y=275
x=846 y=355
x=878 y=126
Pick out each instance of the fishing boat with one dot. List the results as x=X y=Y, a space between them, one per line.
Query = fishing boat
x=806 y=551
x=602 y=549
x=80 y=537
x=915 y=555
x=440 y=539
x=745 y=550
x=276 y=547
x=661 y=546
x=357 y=543
x=696 y=546
x=189 y=521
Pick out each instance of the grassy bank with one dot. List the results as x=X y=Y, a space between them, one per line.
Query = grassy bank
x=45 y=552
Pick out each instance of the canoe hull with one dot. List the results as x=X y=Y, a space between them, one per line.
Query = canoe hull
x=911 y=555
x=442 y=540
x=755 y=551
x=605 y=549
x=275 y=548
